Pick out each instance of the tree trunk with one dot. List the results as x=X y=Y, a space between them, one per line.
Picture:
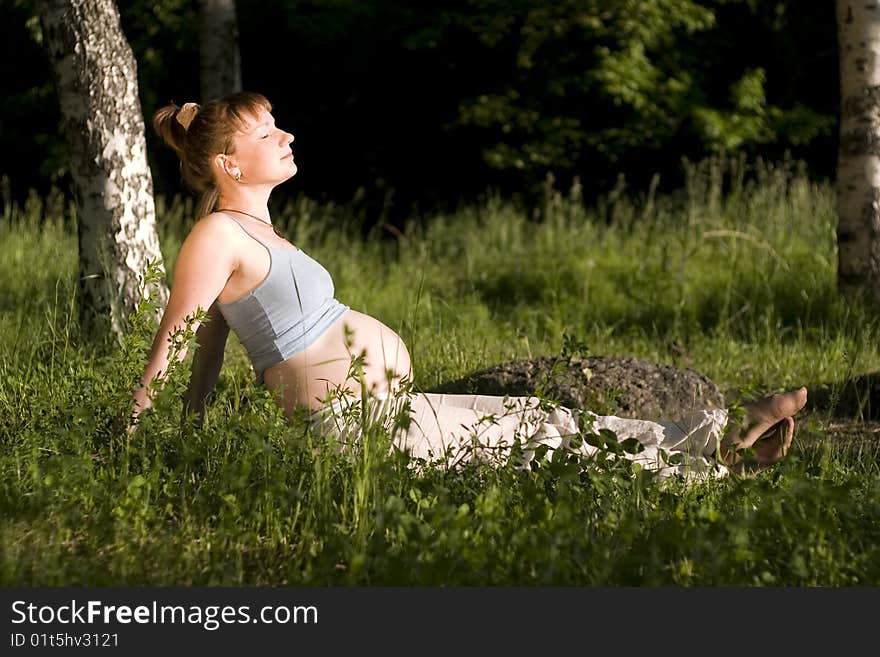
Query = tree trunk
x=858 y=170
x=219 y=59
x=96 y=80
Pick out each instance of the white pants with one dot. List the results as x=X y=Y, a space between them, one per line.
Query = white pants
x=460 y=429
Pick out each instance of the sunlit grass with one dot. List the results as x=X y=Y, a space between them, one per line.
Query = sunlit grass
x=737 y=270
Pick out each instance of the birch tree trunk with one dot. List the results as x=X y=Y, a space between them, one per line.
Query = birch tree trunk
x=96 y=80
x=858 y=170
x=219 y=58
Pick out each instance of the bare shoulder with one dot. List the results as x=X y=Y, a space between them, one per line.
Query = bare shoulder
x=205 y=262
x=216 y=225
x=216 y=234
x=211 y=243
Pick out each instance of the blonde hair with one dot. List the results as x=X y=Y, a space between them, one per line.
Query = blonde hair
x=198 y=133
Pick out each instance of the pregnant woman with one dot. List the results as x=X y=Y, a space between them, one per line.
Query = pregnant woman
x=281 y=304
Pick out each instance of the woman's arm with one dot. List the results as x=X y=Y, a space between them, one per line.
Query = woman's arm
x=207 y=362
x=206 y=261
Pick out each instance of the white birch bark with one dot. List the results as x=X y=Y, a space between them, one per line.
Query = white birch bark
x=96 y=80
x=219 y=57
x=858 y=170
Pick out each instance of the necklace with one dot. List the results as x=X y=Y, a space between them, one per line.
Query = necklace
x=277 y=232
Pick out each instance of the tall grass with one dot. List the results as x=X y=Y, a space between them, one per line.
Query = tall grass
x=734 y=275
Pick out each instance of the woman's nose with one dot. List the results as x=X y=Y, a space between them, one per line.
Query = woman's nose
x=288 y=137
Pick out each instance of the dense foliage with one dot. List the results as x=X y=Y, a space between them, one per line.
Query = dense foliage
x=433 y=102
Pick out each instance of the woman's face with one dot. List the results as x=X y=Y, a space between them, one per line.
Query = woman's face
x=263 y=152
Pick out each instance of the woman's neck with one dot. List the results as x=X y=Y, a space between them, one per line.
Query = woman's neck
x=251 y=201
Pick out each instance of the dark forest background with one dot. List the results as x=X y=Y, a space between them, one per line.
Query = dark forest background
x=419 y=106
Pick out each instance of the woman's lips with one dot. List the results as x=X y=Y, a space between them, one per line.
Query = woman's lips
x=289 y=155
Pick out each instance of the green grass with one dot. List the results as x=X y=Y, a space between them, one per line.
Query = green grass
x=738 y=269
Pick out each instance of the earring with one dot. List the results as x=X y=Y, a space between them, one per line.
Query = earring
x=233 y=171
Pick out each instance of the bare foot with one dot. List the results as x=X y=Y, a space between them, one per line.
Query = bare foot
x=769 y=430
x=771 y=446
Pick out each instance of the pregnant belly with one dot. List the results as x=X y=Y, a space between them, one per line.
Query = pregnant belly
x=304 y=379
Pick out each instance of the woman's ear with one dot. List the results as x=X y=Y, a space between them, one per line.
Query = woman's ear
x=226 y=166
x=220 y=163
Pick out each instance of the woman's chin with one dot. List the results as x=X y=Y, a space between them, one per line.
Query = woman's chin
x=290 y=174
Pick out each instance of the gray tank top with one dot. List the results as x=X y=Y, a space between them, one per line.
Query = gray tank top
x=287 y=311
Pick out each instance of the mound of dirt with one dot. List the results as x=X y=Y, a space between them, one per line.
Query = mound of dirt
x=608 y=385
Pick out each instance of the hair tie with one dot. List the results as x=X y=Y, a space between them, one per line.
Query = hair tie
x=186 y=114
